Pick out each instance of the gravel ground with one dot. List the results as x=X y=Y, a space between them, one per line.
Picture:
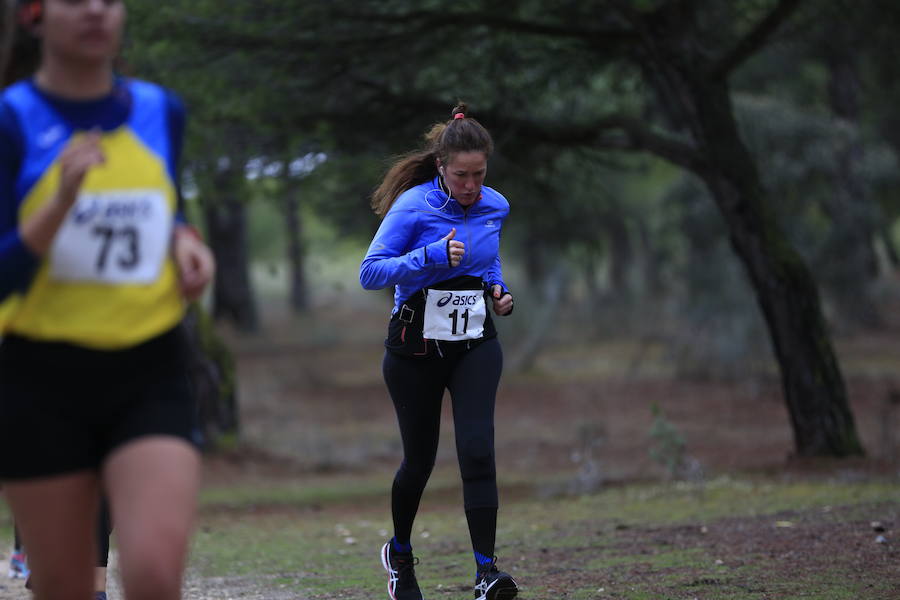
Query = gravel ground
x=195 y=588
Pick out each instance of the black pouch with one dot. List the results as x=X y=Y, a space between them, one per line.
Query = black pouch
x=405 y=328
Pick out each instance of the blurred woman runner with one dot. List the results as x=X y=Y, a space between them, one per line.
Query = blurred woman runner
x=438 y=245
x=95 y=267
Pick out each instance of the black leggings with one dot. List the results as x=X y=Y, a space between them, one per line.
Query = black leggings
x=417 y=388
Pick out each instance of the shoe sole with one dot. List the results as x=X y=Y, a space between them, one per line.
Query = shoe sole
x=387 y=567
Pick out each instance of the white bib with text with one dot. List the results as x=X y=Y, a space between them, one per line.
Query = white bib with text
x=454 y=315
x=113 y=237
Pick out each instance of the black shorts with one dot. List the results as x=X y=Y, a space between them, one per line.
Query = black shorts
x=65 y=408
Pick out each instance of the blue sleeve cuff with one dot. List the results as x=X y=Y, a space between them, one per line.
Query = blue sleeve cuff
x=437 y=255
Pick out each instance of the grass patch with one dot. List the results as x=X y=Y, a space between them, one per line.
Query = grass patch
x=731 y=539
x=734 y=539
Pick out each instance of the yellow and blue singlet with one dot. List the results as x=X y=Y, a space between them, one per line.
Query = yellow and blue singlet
x=108 y=281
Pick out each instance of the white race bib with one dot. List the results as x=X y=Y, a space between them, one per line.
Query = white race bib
x=454 y=315
x=113 y=237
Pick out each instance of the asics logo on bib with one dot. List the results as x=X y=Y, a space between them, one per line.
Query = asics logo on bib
x=126 y=208
x=458 y=300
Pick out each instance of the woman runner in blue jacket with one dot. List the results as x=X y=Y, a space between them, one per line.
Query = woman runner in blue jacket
x=438 y=246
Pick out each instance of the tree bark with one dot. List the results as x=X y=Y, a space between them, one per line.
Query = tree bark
x=692 y=90
x=621 y=254
x=815 y=393
x=226 y=223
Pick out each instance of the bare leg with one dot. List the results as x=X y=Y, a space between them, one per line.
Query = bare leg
x=99 y=579
x=56 y=517
x=152 y=489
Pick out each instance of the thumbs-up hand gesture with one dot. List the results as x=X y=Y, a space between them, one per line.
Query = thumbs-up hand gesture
x=503 y=303
x=455 y=248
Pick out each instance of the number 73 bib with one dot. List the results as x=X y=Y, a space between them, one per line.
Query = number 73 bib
x=113 y=237
x=454 y=315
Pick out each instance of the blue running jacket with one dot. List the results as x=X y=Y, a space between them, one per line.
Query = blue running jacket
x=409 y=251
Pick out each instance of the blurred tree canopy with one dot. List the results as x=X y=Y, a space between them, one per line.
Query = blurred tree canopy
x=769 y=108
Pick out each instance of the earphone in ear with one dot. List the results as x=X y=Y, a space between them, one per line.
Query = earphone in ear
x=441 y=169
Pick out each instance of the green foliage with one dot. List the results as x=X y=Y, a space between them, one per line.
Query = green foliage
x=214 y=378
x=281 y=78
x=554 y=82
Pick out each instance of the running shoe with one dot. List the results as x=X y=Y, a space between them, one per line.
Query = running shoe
x=493 y=584
x=402 y=584
x=18 y=566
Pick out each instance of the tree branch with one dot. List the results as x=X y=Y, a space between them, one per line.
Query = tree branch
x=616 y=132
x=754 y=40
x=611 y=132
x=431 y=20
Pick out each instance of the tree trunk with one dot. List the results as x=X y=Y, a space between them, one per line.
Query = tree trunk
x=299 y=300
x=697 y=101
x=226 y=223
x=814 y=389
x=525 y=354
x=651 y=259
x=620 y=252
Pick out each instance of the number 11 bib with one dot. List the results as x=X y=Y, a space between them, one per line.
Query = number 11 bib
x=454 y=315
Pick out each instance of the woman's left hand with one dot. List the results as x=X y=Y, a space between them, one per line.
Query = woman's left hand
x=194 y=260
x=503 y=303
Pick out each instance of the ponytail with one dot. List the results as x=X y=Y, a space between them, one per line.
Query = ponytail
x=460 y=134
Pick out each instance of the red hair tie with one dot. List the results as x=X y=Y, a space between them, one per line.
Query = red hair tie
x=459 y=116
x=30 y=13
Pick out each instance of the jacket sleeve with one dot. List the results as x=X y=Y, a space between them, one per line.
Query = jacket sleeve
x=17 y=263
x=495 y=275
x=390 y=261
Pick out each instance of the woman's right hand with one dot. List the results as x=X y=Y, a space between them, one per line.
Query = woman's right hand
x=455 y=249
x=77 y=158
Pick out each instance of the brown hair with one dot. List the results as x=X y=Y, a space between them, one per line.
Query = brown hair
x=20 y=49
x=442 y=141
